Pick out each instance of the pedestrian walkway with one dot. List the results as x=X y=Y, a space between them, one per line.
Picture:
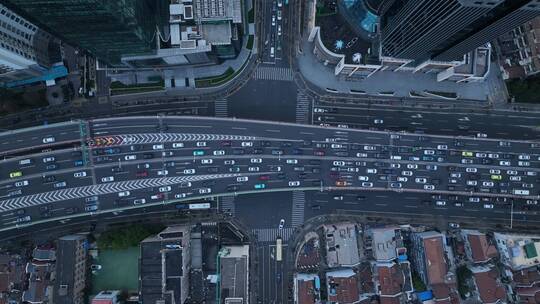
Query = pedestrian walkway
x=273 y=73
x=302 y=108
x=226 y=204
x=298 y=201
x=270 y=235
x=221 y=107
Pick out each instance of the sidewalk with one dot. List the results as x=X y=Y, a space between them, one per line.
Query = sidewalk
x=401 y=83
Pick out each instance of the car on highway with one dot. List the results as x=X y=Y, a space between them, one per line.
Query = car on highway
x=429 y=187
x=442 y=147
x=157 y=147
x=378 y=121
x=246 y=144
x=139 y=201
x=363 y=178
x=49 y=159
x=189 y=171
x=453 y=225
x=292 y=161
x=256 y=160
x=474 y=199
x=420 y=180
x=51 y=167
x=281 y=224
x=294 y=183
x=488 y=184
x=79 y=174
x=524 y=163
x=107 y=179
x=496 y=177
x=177 y=145
x=165 y=189
x=259 y=186
x=467 y=154
x=48 y=140
x=367 y=184
x=162 y=172
x=338 y=197
x=157 y=196
x=59 y=184
x=130 y=157
x=124 y=193
x=412 y=166
x=511 y=172
x=402 y=179
x=207 y=161
x=504 y=144
x=396 y=185
x=205 y=190
x=198 y=152
x=23 y=219
x=90 y=208
x=481 y=155
x=432 y=167
x=338 y=163
x=219 y=152
x=489 y=206
x=467 y=161
x=21 y=183
x=504 y=163
x=471 y=170
x=253 y=169
x=180 y=195
x=440 y=203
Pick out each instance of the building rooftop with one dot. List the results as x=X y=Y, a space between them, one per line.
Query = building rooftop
x=518 y=251
x=234 y=273
x=217 y=33
x=526 y=277
x=365 y=278
x=64 y=283
x=341 y=245
x=481 y=250
x=342 y=286
x=216 y=10
x=490 y=291
x=309 y=254
x=384 y=242
x=38 y=281
x=436 y=264
x=390 y=278
x=529 y=295
x=306 y=291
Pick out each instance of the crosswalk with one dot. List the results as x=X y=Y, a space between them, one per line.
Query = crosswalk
x=299 y=202
x=221 y=107
x=273 y=73
x=302 y=108
x=270 y=235
x=226 y=204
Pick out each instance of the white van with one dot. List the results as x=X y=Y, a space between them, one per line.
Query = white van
x=521 y=192
x=27 y=161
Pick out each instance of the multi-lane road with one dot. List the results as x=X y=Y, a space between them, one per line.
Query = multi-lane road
x=84 y=168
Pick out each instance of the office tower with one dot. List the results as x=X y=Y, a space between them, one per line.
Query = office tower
x=107 y=29
x=445 y=30
x=25 y=50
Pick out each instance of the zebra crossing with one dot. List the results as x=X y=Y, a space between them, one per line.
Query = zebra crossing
x=299 y=202
x=221 y=108
x=273 y=73
x=226 y=204
x=271 y=234
x=302 y=108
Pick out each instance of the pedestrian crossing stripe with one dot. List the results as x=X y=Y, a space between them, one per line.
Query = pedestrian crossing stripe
x=302 y=108
x=298 y=201
x=221 y=108
x=271 y=234
x=273 y=73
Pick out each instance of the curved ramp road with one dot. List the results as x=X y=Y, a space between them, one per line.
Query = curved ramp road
x=83 y=168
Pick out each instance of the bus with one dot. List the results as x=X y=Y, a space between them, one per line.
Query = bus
x=199 y=206
x=278 y=249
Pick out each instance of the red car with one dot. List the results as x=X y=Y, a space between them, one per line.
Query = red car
x=264 y=177
x=141 y=174
x=318 y=153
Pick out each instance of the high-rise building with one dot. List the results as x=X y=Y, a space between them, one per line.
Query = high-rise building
x=25 y=50
x=70 y=279
x=107 y=29
x=445 y=30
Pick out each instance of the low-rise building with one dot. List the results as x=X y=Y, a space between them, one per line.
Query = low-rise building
x=40 y=286
x=489 y=289
x=70 y=279
x=234 y=274
x=164 y=265
x=430 y=262
x=477 y=246
x=518 y=251
x=342 y=245
x=307 y=288
x=342 y=286
x=394 y=282
x=106 y=297
x=385 y=244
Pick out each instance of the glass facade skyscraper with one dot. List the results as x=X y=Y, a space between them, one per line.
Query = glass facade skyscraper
x=106 y=28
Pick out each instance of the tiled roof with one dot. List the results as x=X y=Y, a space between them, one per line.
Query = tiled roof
x=526 y=277
x=306 y=294
x=490 y=291
x=390 y=279
x=342 y=289
x=481 y=250
x=389 y=300
x=529 y=294
x=436 y=265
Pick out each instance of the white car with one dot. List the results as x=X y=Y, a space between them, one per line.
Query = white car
x=180 y=195
x=472 y=183
x=48 y=159
x=493 y=155
x=440 y=203
x=130 y=157
x=378 y=121
x=395 y=166
x=511 y=172
x=429 y=187
x=229 y=162
x=494 y=171
x=429 y=152
x=442 y=147
x=363 y=178
x=242 y=179
x=364 y=155
x=124 y=193
x=178 y=145
x=162 y=172
x=318 y=110
x=48 y=140
x=474 y=199
x=206 y=161
x=253 y=169
x=466 y=161
x=471 y=170
x=189 y=171
x=201 y=144
x=402 y=179
x=273 y=20
x=205 y=190
x=247 y=144
x=488 y=184
x=256 y=160
x=412 y=166
x=79 y=174
x=281 y=224
x=292 y=161
x=524 y=157
x=338 y=163
x=524 y=163
x=219 y=152
x=481 y=135
x=367 y=185
x=107 y=179
x=515 y=178
x=336 y=146
x=371 y=171
x=455 y=175
x=157 y=147
x=481 y=155
x=488 y=206
x=407 y=173
x=21 y=183
x=420 y=180
x=504 y=163
x=139 y=201
x=369 y=148
x=294 y=184
x=165 y=189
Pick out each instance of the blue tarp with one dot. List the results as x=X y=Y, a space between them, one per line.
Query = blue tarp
x=54 y=73
x=425 y=295
x=317 y=283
